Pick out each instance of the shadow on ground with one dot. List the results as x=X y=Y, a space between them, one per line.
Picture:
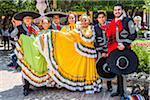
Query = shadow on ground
x=5 y=59
x=52 y=94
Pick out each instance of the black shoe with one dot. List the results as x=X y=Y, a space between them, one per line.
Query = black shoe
x=115 y=94
x=110 y=89
x=11 y=64
x=101 y=89
x=25 y=92
x=31 y=90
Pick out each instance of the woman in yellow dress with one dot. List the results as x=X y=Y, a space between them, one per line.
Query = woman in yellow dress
x=70 y=23
x=71 y=58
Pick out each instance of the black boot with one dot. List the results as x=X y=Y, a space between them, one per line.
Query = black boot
x=25 y=92
x=115 y=94
x=109 y=86
x=26 y=87
x=120 y=90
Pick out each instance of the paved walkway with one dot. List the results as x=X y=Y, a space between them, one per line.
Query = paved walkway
x=11 y=87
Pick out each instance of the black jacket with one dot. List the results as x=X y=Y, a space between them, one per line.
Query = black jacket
x=100 y=42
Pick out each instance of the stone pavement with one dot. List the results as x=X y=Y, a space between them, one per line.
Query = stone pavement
x=11 y=87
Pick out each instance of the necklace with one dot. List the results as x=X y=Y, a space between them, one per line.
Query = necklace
x=87 y=34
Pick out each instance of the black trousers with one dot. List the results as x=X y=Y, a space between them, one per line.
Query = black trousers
x=6 y=41
x=109 y=85
x=26 y=85
x=120 y=87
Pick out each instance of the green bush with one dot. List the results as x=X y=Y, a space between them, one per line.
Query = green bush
x=142 y=49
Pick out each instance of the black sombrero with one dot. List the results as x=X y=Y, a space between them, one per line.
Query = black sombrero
x=122 y=62
x=21 y=15
x=103 y=70
x=51 y=14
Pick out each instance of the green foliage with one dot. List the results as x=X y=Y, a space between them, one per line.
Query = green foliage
x=147 y=3
x=27 y=6
x=95 y=5
x=9 y=7
x=142 y=49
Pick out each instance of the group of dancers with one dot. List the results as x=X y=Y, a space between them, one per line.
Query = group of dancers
x=65 y=56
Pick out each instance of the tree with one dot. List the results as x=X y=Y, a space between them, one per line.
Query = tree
x=9 y=7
